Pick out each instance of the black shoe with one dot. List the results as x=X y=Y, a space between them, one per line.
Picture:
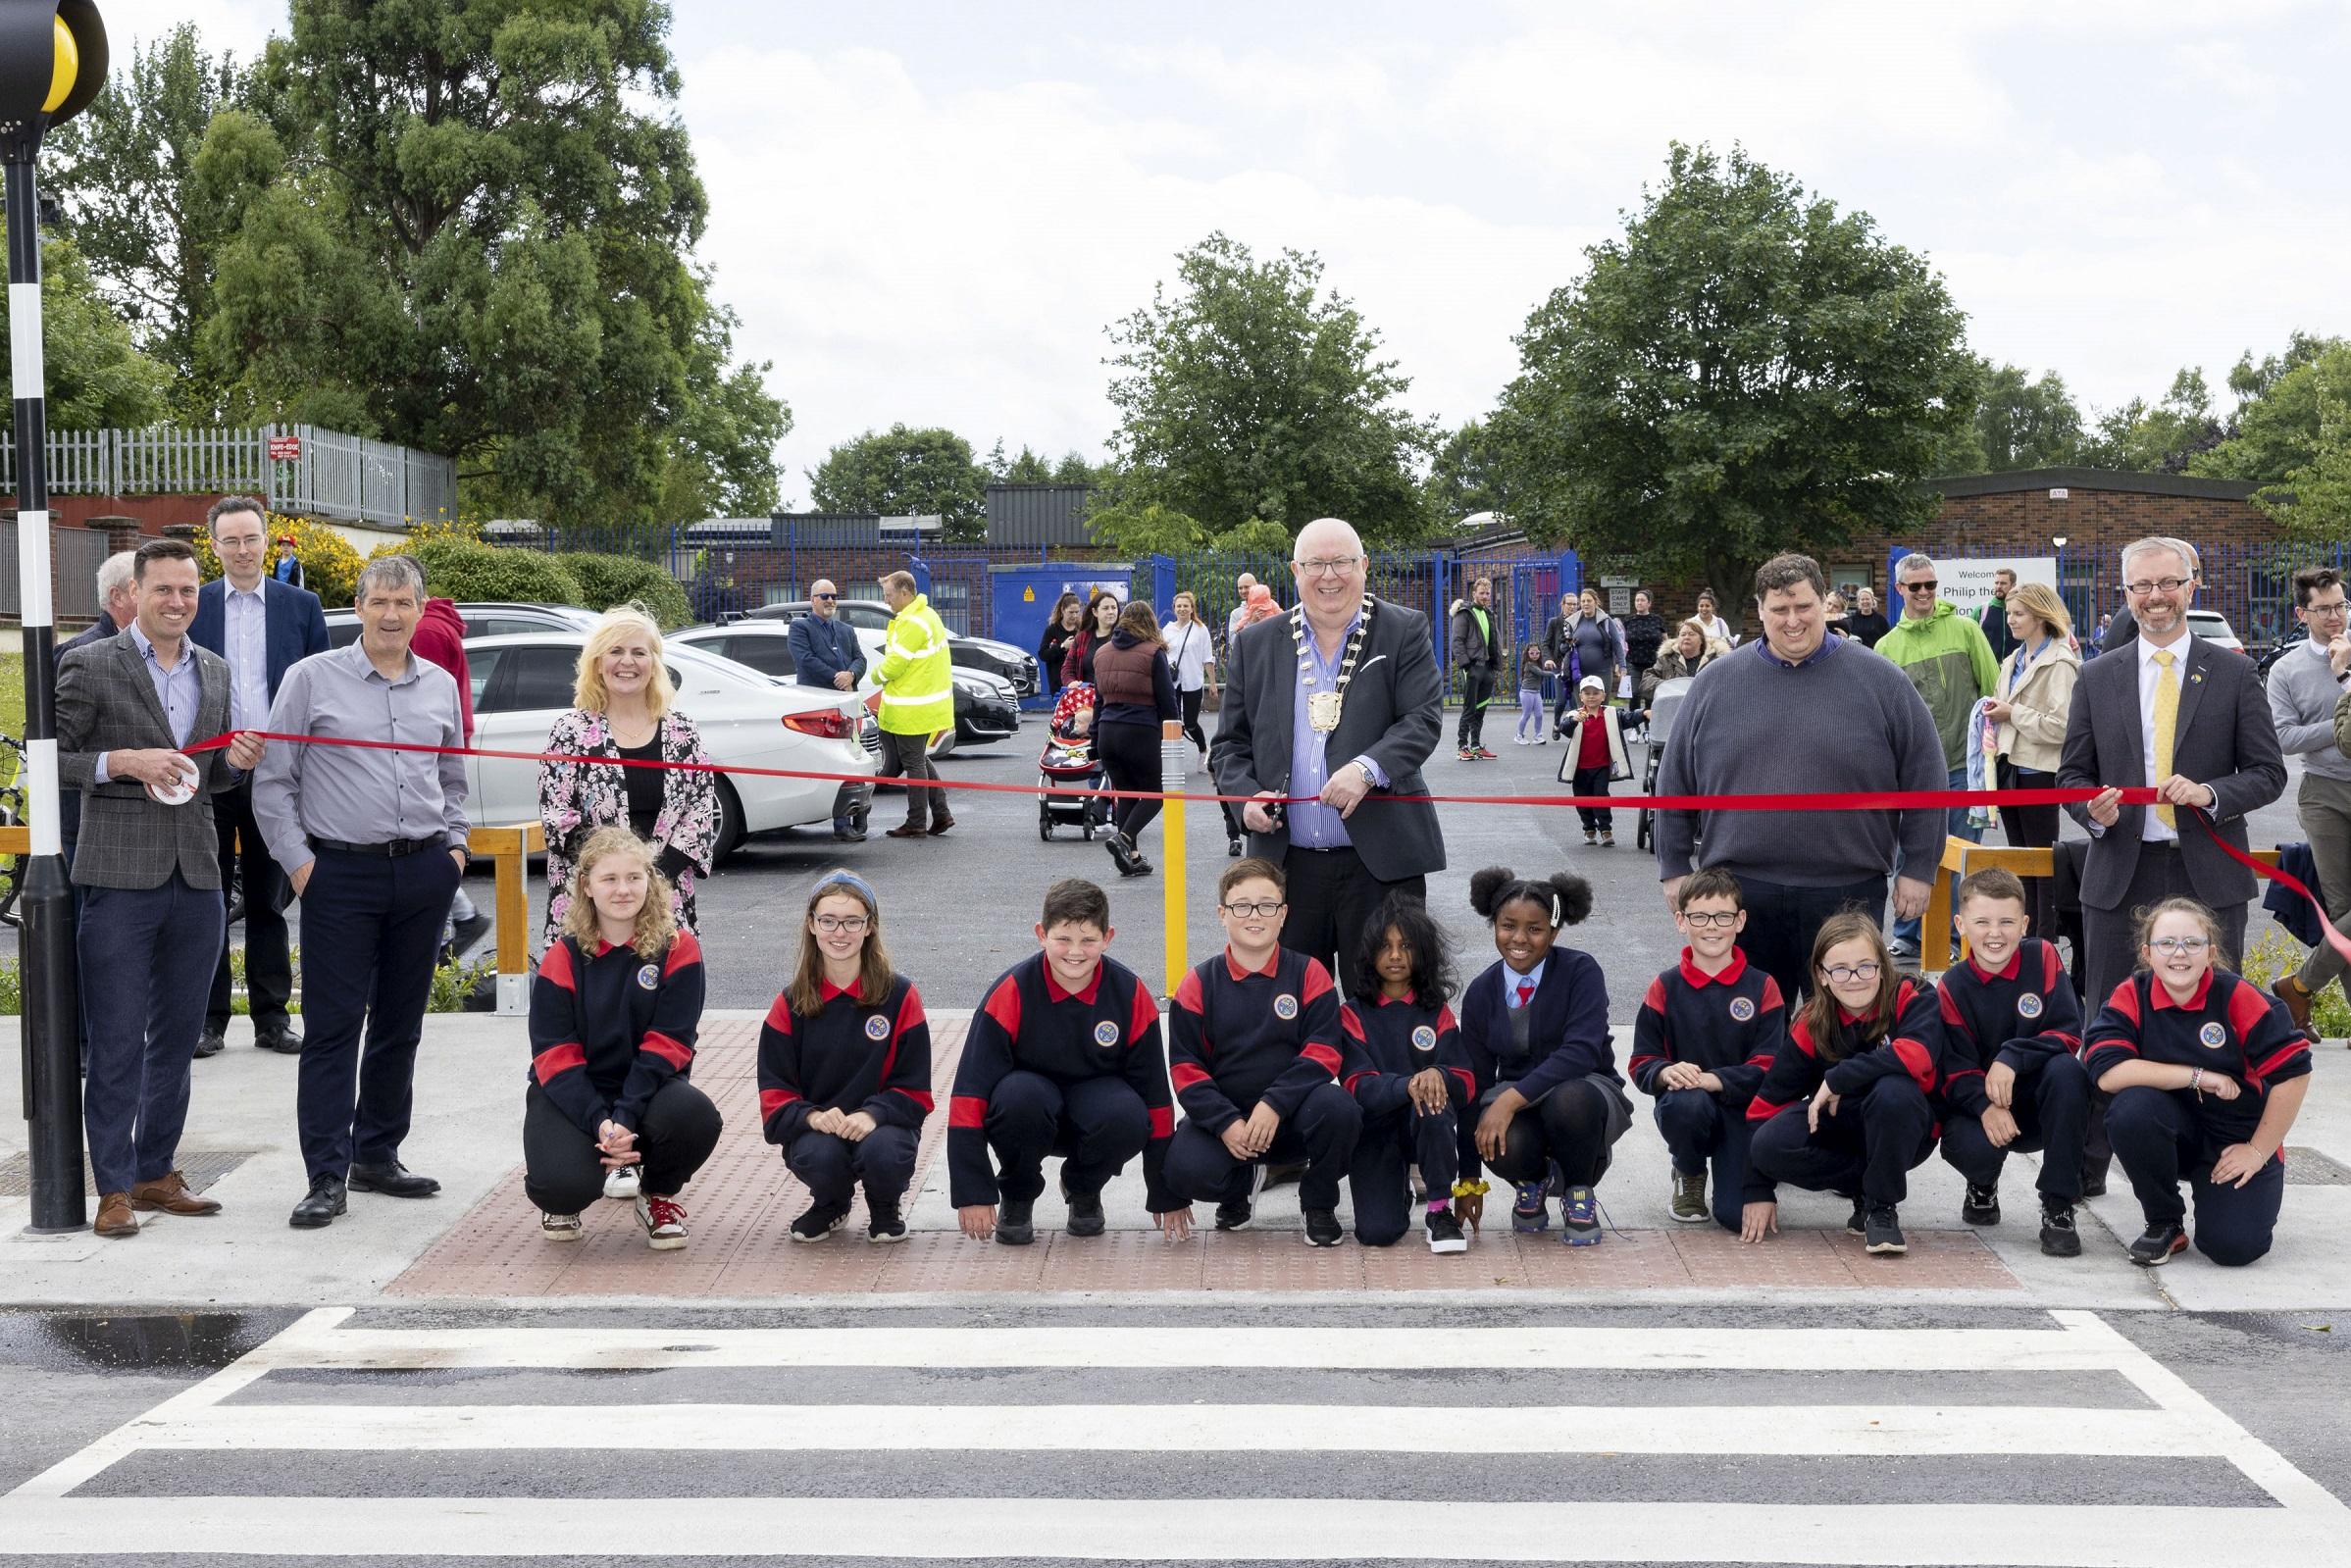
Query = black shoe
x=1232 y=848
x=1982 y=1205
x=1015 y=1222
x=1444 y=1233
x=2059 y=1238
x=1085 y=1211
x=2093 y=1183
x=818 y=1221
x=849 y=836
x=883 y=1223
x=279 y=1038
x=2156 y=1249
x=1122 y=852
x=1884 y=1231
x=393 y=1181
x=324 y=1203
x=1235 y=1213
x=1323 y=1228
x=210 y=1044
x=1857 y=1222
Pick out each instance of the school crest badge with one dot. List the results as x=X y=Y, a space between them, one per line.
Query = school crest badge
x=2029 y=1005
x=1106 y=1033
x=649 y=976
x=2213 y=1036
x=877 y=1028
x=1742 y=1008
x=1424 y=1038
x=1284 y=1007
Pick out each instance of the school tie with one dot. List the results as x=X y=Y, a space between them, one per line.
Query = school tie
x=2167 y=721
x=1526 y=991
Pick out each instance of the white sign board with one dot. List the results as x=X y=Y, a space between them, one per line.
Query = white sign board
x=1968 y=583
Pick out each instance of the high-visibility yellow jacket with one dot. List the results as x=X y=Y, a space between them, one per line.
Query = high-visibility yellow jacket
x=917 y=698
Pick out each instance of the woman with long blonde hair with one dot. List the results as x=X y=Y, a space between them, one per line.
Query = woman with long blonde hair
x=2028 y=711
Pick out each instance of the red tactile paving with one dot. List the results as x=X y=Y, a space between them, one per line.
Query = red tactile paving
x=742 y=1202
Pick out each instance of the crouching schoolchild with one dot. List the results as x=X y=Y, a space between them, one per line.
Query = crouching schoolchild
x=1407 y=1068
x=1536 y=1027
x=1253 y=1046
x=2011 y=1075
x=1844 y=1108
x=844 y=1066
x=1706 y=1033
x=1062 y=1057
x=614 y=1011
x=2207 y=1074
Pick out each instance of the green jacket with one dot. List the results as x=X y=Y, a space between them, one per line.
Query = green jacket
x=1951 y=664
x=917 y=698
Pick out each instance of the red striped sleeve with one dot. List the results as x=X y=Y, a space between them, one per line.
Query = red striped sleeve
x=556 y=1060
x=1468 y=1080
x=1003 y=1005
x=2284 y=1055
x=920 y=1096
x=1317 y=982
x=772 y=1100
x=1446 y=1020
x=1322 y=1056
x=1353 y=1079
x=1162 y=1121
x=1771 y=997
x=779 y=1014
x=1187 y=995
x=2050 y=966
x=1800 y=1035
x=555 y=964
x=1143 y=1015
x=1655 y=1001
x=657 y=1043
x=967 y=1110
x=910 y=1012
x=1347 y=1020
x=684 y=949
x=2125 y=1001
x=1186 y=1073
x=1915 y=1057
x=2247 y=1009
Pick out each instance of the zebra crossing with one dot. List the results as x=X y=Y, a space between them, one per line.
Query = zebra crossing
x=1190 y=1439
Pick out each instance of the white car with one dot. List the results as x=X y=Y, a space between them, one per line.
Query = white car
x=987 y=707
x=522 y=682
x=2213 y=627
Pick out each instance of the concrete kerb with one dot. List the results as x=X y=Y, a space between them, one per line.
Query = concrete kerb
x=470 y=1071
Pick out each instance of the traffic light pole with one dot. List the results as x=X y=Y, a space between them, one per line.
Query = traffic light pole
x=51 y=1041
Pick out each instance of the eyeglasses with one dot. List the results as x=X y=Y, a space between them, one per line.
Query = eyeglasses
x=1337 y=566
x=824 y=597
x=2146 y=586
x=1265 y=909
x=854 y=925
x=1712 y=921
x=2180 y=946
x=2334 y=609
x=1921 y=586
x=1847 y=974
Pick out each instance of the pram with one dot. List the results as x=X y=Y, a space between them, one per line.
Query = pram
x=1068 y=761
x=1662 y=704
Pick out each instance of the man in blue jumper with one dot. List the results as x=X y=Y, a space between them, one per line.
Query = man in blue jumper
x=825 y=653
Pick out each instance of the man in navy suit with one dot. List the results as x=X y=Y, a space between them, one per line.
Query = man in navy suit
x=263 y=627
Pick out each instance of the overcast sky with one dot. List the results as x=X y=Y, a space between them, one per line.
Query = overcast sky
x=927 y=212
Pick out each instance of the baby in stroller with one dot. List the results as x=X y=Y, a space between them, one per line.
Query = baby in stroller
x=1068 y=760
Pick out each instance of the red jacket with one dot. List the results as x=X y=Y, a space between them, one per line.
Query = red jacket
x=440 y=637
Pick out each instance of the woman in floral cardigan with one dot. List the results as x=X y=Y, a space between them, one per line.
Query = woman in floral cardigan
x=624 y=696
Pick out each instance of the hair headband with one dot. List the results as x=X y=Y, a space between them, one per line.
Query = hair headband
x=845 y=879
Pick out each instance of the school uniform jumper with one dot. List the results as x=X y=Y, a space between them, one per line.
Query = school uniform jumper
x=2162 y=1136
x=1388 y=1042
x=847 y=1056
x=1045 y=1071
x=1237 y=1037
x=1545 y=1034
x=2026 y=1015
x=612 y=1037
x=1884 y=1125
x=1732 y=1025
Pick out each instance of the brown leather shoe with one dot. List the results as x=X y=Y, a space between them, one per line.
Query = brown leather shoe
x=2289 y=990
x=115 y=1218
x=907 y=830
x=940 y=825
x=169 y=1195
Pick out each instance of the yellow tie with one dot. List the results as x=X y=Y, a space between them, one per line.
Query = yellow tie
x=2166 y=720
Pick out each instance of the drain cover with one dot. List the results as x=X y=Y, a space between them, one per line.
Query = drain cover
x=201 y=1167
x=2307 y=1167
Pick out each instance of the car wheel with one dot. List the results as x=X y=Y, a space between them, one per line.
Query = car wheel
x=730 y=824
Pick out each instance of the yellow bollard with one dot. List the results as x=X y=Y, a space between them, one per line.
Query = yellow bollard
x=1173 y=748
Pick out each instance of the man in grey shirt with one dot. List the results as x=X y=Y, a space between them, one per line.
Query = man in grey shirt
x=374 y=844
x=2305 y=687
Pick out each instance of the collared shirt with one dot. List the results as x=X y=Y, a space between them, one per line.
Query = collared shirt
x=1516 y=986
x=1313 y=824
x=1829 y=645
x=180 y=689
x=2153 y=829
x=360 y=794
x=245 y=642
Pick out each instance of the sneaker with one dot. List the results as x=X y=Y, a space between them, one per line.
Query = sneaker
x=664 y=1220
x=1466 y=755
x=1981 y=1206
x=1902 y=951
x=1579 y=1218
x=1085 y=1211
x=1015 y=1222
x=819 y=1221
x=1532 y=1211
x=1483 y=755
x=2156 y=1249
x=1444 y=1233
x=2059 y=1238
x=1323 y=1228
x=2093 y=1181
x=624 y=1183
x=1857 y=1222
x=1689 y=1197
x=1883 y=1231
x=1232 y=848
x=559 y=1227
x=1591 y=838
x=1235 y=1213
x=882 y=1221
x=1542 y=740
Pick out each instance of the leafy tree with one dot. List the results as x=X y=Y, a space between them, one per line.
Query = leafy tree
x=2160 y=437
x=1467 y=475
x=2022 y=422
x=1745 y=370
x=2251 y=382
x=93 y=374
x=906 y=471
x=722 y=454
x=1032 y=468
x=1138 y=530
x=2285 y=418
x=1247 y=392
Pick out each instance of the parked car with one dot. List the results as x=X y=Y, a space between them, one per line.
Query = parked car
x=1017 y=666
x=523 y=680
x=2213 y=627
x=987 y=708
x=486 y=620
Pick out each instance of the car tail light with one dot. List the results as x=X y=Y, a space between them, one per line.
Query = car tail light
x=827 y=724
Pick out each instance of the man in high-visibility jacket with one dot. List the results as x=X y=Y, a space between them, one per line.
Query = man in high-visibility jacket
x=917 y=702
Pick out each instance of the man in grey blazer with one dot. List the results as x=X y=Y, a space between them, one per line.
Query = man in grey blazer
x=1301 y=720
x=150 y=876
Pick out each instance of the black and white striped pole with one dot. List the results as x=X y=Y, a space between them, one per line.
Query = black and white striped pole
x=52 y=63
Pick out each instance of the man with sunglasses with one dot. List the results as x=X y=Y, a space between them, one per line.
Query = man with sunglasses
x=1946 y=657
x=825 y=653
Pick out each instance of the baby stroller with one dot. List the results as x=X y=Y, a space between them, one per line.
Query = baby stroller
x=1668 y=697
x=1068 y=761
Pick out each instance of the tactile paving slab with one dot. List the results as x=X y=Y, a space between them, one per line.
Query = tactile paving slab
x=201 y=1167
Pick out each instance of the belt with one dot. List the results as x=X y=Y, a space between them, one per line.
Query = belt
x=389 y=849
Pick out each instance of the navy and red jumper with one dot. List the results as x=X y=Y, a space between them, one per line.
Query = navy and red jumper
x=1389 y=1040
x=608 y=1027
x=1236 y=1036
x=1912 y=1048
x=2228 y=1026
x=1732 y=1025
x=845 y=1056
x=2021 y=1014
x=1566 y=1037
x=1107 y=1028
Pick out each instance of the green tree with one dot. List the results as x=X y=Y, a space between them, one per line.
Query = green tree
x=1247 y=392
x=2022 y=422
x=2285 y=416
x=1747 y=370
x=1467 y=475
x=902 y=472
x=2160 y=437
x=93 y=374
x=1136 y=531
